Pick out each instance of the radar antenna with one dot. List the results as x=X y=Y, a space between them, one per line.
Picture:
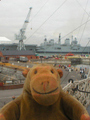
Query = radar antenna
x=21 y=36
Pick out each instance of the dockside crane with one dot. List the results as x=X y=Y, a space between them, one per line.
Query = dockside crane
x=21 y=36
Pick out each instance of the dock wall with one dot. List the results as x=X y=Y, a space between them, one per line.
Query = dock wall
x=7 y=87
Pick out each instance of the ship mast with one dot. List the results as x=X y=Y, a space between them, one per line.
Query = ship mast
x=59 y=40
x=71 y=39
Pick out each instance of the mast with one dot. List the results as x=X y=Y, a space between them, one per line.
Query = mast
x=71 y=39
x=59 y=40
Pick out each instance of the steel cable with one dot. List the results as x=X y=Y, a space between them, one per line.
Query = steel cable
x=47 y=19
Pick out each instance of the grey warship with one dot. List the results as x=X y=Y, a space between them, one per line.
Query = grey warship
x=50 y=47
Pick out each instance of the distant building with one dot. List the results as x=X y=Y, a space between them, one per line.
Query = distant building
x=4 y=40
x=15 y=54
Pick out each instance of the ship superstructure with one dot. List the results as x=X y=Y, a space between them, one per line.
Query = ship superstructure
x=58 y=48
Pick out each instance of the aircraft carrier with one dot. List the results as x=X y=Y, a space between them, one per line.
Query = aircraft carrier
x=50 y=47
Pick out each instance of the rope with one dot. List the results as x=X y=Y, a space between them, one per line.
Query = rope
x=83 y=8
x=83 y=30
x=83 y=18
x=85 y=46
x=76 y=89
x=75 y=29
x=39 y=10
x=46 y=20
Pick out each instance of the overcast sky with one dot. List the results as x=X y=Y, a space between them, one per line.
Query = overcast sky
x=48 y=18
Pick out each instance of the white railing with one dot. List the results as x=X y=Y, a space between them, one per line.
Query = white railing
x=80 y=89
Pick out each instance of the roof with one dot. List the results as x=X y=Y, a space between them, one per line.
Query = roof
x=5 y=40
x=17 y=52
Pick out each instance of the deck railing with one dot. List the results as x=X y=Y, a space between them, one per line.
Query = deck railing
x=80 y=89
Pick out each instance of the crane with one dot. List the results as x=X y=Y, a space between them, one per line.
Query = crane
x=21 y=36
